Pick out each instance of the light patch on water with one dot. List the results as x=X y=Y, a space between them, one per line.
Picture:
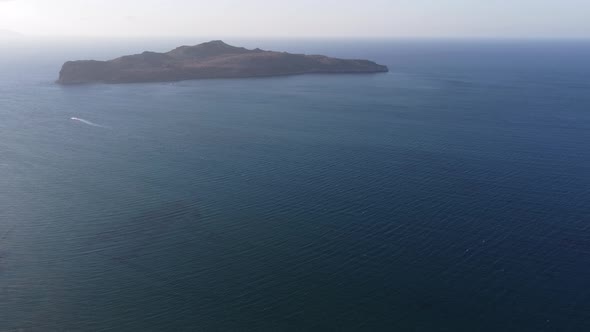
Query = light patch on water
x=90 y=123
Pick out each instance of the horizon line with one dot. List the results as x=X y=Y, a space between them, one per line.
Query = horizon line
x=20 y=36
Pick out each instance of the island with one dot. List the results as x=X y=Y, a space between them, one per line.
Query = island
x=214 y=59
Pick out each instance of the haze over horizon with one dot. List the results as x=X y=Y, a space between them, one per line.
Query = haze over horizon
x=305 y=18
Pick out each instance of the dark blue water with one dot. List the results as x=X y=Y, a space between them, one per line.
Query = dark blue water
x=452 y=194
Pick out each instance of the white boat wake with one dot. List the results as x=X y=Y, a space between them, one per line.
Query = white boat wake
x=87 y=122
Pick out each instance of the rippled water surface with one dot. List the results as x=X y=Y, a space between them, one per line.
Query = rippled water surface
x=452 y=194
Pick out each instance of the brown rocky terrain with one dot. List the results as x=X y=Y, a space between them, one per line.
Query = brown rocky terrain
x=214 y=59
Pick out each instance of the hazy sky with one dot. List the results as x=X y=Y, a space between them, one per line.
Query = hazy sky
x=300 y=18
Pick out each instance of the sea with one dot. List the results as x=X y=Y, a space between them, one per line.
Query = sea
x=450 y=194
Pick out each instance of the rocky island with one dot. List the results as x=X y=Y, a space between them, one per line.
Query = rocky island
x=214 y=59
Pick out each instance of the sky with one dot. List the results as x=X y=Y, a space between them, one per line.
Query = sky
x=301 y=18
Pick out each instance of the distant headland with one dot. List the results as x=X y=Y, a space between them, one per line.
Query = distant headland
x=214 y=59
x=8 y=34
